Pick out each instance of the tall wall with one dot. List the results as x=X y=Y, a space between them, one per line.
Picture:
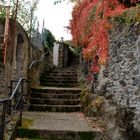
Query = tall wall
x=123 y=68
x=36 y=68
x=119 y=82
x=19 y=57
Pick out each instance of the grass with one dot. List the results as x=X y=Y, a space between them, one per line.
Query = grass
x=34 y=139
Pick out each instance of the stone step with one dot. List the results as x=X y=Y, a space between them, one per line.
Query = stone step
x=54 y=84
x=58 y=81
x=55 y=108
x=61 y=71
x=34 y=134
x=56 y=90
x=56 y=126
x=56 y=95
x=54 y=101
x=58 y=77
x=46 y=80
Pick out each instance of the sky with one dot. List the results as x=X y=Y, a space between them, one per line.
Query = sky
x=56 y=17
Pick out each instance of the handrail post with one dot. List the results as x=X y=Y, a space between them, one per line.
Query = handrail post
x=22 y=88
x=9 y=102
x=6 y=106
x=2 y=121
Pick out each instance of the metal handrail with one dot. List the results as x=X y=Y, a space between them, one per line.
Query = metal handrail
x=8 y=108
x=38 y=61
x=14 y=92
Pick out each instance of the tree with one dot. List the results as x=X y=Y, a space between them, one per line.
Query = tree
x=25 y=12
x=48 y=38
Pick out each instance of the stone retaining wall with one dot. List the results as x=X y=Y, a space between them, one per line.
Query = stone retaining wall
x=19 y=57
x=123 y=69
x=120 y=81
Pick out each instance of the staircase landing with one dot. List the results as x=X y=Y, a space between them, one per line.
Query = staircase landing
x=63 y=126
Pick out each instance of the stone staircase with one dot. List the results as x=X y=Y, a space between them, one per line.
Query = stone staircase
x=54 y=108
x=59 y=77
x=58 y=91
x=55 y=99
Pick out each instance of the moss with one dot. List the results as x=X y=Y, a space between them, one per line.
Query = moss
x=26 y=133
x=36 y=139
x=86 y=136
x=26 y=123
x=29 y=134
x=41 y=139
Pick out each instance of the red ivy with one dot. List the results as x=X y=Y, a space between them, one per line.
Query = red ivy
x=89 y=27
x=89 y=78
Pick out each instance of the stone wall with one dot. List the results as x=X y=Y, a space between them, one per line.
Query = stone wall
x=35 y=70
x=64 y=55
x=61 y=58
x=120 y=81
x=1 y=80
x=123 y=69
x=19 y=57
x=123 y=76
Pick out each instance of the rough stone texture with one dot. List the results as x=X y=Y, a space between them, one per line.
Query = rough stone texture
x=123 y=67
x=18 y=58
x=60 y=63
x=63 y=55
x=61 y=126
x=35 y=70
x=112 y=132
x=120 y=81
x=1 y=81
x=123 y=78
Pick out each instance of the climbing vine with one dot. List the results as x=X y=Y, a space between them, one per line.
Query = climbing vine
x=90 y=25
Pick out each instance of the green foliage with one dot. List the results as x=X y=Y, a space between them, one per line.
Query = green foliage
x=60 y=1
x=129 y=17
x=91 y=106
x=128 y=3
x=85 y=98
x=90 y=20
x=25 y=12
x=95 y=107
x=86 y=136
x=48 y=39
x=68 y=42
